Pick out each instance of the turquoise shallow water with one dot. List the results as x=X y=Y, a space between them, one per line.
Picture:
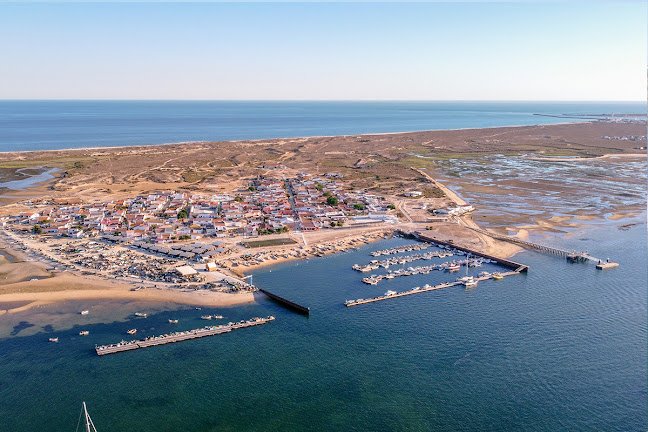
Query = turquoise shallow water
x=51 y=125
x=562 y=348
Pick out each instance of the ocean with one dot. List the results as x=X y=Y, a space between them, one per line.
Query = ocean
x=562 y=348
x=53 y=125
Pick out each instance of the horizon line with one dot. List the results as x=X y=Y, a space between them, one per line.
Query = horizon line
x=320 y=100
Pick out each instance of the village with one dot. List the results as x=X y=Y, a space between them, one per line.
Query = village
x=171 y=239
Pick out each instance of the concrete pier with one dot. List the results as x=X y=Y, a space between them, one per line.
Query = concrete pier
x=179 y=336
x=350 y=303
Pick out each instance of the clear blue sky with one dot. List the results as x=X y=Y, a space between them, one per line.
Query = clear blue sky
x=421 y=51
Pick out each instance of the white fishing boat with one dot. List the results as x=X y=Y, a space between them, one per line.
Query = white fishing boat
x=141 y=314
x=84 y=333
x=53 y=339
x=84 y=312
x=206 y=317
x=131 y=331
x=88 y=425
x=218 y=316
x=172 y=321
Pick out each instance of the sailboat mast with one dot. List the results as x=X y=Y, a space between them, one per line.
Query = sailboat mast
x=89 y=425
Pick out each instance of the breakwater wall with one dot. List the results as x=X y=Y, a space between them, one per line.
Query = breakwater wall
x=287 y=303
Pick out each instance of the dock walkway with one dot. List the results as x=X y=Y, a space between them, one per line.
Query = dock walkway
x=179 y=336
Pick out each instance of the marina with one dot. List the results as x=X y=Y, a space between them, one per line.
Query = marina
x=179 y=336
x=501 y=261
x=410 y=271
x=468 y=282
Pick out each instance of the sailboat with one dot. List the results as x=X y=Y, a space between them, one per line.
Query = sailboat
x=87 y=421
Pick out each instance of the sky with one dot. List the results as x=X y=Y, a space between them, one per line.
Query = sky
x=324 y=51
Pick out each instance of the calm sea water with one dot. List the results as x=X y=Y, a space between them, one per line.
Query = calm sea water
x=562 y=348
x=50 y=125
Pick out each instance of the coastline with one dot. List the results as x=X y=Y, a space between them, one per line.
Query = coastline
x=256 y=140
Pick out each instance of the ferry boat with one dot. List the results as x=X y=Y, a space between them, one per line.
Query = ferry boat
x=172 y=321
x=141 y=314
x=84 y=333
x=84 y=312
x=132 y=331
x=53 y=339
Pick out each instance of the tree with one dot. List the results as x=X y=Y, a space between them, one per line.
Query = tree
x=319 y=187
x=392 y=206
x=182 y=214
x=332 y=201
x=238 y=198
x=340 y=223
x=185 y=237
x=358 y=206
x=37 y=229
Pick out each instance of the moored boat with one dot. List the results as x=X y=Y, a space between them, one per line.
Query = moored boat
x=141 y=314
x=206 y=317
x=53 y=339
x=173 y=321
x=132 y=331
x=84 y=312
x=84 y=333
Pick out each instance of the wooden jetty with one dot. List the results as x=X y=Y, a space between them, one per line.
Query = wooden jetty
x=287 y=303
x=179 y=336
x=350 y=303
x=517 y=267
x=573 y=256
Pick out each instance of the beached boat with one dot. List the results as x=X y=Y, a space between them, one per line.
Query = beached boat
x=84 y=333
x=132 y=331
x=84 y=312
x=53 y=339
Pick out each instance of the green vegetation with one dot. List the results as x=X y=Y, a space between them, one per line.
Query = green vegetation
x=184 y=237
x=271 y=242
x=332 y=201
x=238 y=198
x=358 y=206
x=182 y=214
x=37 y=229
